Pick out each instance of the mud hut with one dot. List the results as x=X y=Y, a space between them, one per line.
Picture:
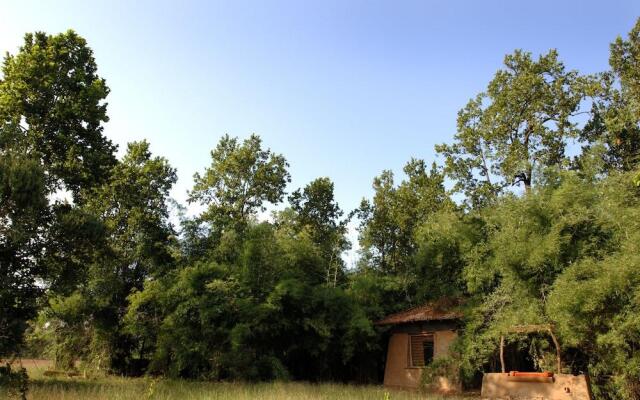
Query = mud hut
x=417 y=337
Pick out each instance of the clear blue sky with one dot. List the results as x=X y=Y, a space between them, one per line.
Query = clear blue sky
x=343 y=88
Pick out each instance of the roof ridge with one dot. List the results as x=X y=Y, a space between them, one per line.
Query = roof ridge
x=443 y=308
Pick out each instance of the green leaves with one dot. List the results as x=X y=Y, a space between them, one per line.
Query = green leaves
x=52 y=107
x=317 y=210
x=624 y=61
x=390 y=222
x=229 y=297
x=133 y=205
x=522 y=122
x=316 y=214
x=241 y=178
x=23 y=218
x=565 y=254
x=615 y=119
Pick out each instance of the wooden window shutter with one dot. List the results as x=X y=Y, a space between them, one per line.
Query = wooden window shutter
x=421 y=350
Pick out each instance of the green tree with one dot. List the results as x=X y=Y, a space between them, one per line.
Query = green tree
x=317 y=212
x=595 y=302
x=260 y=260
x=240 y=179
x=52 y=107
x=565 y=255
x=615 y=119
x=378 y=230
x=51 y=113
x=520 y=123
x=443 y=246
x=133 y=204
x=23 y=218
x=137 y=245
x=624 y=61
x=389 y=223
x=188 y=317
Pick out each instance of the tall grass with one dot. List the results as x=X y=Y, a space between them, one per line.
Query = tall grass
x=122 y=388
x=117 y=388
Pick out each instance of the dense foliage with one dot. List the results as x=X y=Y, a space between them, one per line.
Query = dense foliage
x=94 y=271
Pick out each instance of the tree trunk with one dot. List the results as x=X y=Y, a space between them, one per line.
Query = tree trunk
x=527 y=175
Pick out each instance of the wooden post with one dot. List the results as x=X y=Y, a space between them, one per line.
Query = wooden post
x=530 y=329
x=502 y=353
x=555 y=341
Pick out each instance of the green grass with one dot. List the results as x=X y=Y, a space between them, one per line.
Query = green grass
x=127 y=388
x=117 y=388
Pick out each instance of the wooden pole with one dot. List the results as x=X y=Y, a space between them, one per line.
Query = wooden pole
x=555 y=341
x=502 y=353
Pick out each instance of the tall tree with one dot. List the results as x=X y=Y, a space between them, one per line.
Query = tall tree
x=625 y=63
x=520 y=123
x=615 y=120
x=23 y=216
x=567 y=254
x=51 y=113
x=378 y=230
x=389 y=223
x=317 y=212
x=52 y=107
x=390 y=220
x=136 y=246
x=134 y=207
x=240 y=179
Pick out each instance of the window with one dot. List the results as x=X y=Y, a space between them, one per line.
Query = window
x=421 y=350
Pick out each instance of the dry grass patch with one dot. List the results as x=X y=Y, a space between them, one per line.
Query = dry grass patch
x=127 y=388
x=42 y=387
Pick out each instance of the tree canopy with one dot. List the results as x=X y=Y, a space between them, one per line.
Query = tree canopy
x=52 y=107
x=521 y=123
x=96 y=266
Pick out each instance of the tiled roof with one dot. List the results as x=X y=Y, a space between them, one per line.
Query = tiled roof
x=440 y=310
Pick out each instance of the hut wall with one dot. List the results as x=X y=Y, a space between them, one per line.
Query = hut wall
x=398 y=371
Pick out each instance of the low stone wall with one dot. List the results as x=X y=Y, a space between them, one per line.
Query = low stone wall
x=499 y=386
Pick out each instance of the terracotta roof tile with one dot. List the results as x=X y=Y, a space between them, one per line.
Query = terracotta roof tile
x=440 y=310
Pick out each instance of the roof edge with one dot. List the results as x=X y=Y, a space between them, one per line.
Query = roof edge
x=444 y=309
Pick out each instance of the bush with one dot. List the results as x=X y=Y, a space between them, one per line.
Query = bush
x=14 y=383
x=441 y=367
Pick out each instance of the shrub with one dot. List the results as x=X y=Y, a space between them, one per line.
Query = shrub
x=441 y=367
x=14 y=383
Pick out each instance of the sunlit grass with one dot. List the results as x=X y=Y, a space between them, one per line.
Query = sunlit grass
x=118 y=388
x=127 y=388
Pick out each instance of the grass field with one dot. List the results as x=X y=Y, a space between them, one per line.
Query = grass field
x=116 y=388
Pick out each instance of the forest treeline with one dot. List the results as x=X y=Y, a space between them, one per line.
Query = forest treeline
x=533 y=217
